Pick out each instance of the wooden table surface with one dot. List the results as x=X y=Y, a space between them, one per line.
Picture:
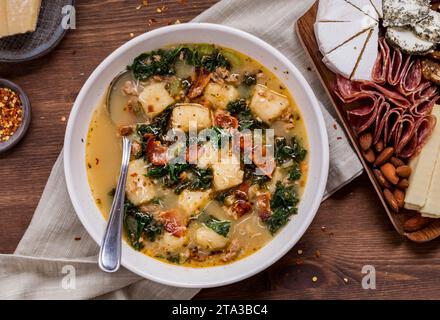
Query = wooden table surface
x=350 y=231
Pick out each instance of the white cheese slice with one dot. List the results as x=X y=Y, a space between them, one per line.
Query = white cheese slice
x=22 y=15
x=368 y=59
x=366 y=7
x=331 y=35
x=432 y=204
x=420 y=180
x=378 y=6
x=343 y=60
x=337 y=10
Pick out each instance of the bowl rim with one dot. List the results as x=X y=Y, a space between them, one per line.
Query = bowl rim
x=323 y=152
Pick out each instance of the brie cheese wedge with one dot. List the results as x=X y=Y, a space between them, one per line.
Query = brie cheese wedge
x=343 y=60
x=338 y=33
x=368 y=57
x=337 y=10
x=347 y=35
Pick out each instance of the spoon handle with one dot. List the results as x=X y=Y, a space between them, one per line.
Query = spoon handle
x=110 y=253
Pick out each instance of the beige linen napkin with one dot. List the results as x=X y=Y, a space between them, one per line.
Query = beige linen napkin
x=57 y=259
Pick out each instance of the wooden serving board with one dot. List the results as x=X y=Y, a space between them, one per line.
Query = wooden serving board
x=305 y=31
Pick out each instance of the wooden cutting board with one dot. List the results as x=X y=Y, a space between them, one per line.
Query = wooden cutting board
x=305 y=31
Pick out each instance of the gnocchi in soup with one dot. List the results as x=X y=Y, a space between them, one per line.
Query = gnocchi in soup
x=218 y=160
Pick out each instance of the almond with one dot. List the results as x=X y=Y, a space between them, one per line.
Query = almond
x=416 y=223
x=365 y=141
x=379 y=146
x=389 y=173
x=399 y=195
x=381 y=179
x=389 y=198
x=403 y=184
x=397 y=162
x=369 y=155
x=384 y=156
x=403 y=171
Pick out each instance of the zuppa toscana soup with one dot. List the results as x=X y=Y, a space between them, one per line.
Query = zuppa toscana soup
x=219 y=154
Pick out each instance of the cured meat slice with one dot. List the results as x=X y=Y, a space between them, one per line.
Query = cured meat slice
x=424 y=108
x=391 y=120
x=403 y=133
x=383 y=110
x=390 y=95
x=380 y=69
x=422 y=131
x=364 y=116
x=411 y=77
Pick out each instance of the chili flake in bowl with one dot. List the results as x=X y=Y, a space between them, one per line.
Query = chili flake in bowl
x=15 y=114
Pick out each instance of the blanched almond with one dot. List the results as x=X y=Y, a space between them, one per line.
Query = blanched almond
x=389 y=198
x=384 y=156
x=369 y=155
x=403 y=171
x=389 y=173
x=365 y=141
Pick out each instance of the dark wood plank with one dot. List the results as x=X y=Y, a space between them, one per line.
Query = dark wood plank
x=357 y=232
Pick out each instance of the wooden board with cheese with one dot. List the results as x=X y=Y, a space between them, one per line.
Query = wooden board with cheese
x=363 y=96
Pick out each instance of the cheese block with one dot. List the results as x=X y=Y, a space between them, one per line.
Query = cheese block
x=368 y=58
x=432 y=204
x=337 y=10
x=420 y=180
x=3 y=20
x=332 y=35
x=22 y=16
x=343 y=60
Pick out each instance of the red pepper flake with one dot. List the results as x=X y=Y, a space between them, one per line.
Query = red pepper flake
x=317 y=254
x=335 y=126
x=11 y=113
x=338 y=138
x=77 y=238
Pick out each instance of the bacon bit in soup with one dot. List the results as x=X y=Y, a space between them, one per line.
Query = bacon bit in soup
x=11 y=113
x=225 y=121
x=174 y=222
x=201 y=81
x=157 y=153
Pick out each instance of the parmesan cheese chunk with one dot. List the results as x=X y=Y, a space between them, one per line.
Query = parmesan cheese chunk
x=22 y=16
x=267 y=104
x=219 y=95
x=155 y=98
x=418 y=193
x=4 y=31
x=139 y=188
x=187 y=114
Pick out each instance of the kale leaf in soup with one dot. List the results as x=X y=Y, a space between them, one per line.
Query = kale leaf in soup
x=225 y=206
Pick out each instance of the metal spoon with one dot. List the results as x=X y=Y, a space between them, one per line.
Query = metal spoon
x=111 y=247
